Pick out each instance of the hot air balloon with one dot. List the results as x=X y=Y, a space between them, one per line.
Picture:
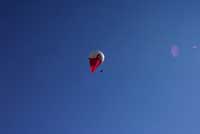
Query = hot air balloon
x=96 y=58
x=174 y=50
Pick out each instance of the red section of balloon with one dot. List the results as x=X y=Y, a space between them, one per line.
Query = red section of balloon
x=94 y=63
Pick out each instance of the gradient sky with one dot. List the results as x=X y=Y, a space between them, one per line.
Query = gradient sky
x=46 y=86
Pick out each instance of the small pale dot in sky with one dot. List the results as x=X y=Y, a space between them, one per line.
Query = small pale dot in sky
x=174 y=51
x=194 y=46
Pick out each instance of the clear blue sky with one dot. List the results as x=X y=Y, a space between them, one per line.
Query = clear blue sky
x=46 y=86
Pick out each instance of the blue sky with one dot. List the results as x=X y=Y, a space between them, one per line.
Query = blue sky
x=46 y=86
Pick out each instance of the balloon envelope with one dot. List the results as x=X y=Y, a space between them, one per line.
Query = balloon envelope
x=174 y=51
x=96 y=58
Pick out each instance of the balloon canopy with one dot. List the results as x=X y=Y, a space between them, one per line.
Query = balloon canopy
x=96 y=58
